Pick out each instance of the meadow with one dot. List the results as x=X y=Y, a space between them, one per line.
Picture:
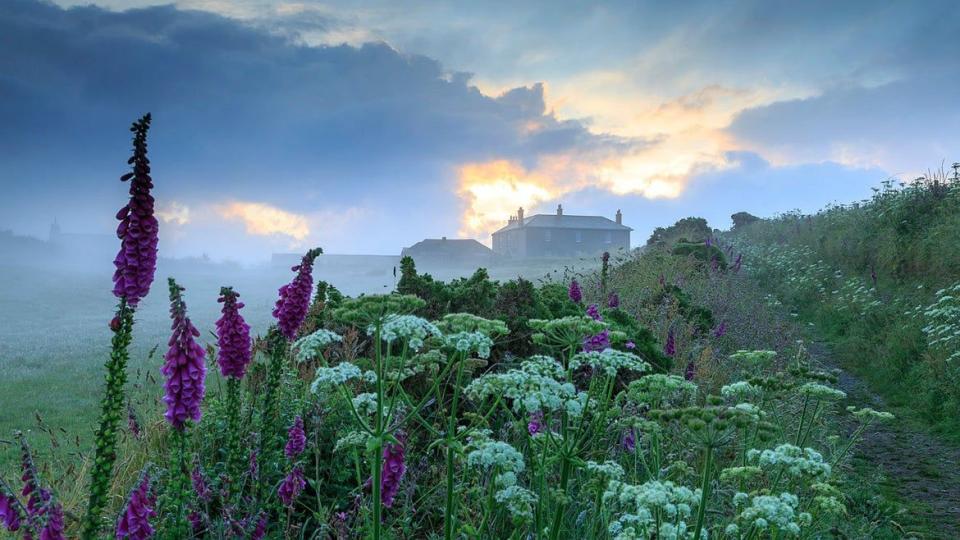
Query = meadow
x=664 y=394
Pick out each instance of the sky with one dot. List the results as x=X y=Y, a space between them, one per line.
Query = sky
x=366 y=127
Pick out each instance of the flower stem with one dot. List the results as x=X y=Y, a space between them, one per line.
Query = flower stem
x=449 y=515
x=704 y=491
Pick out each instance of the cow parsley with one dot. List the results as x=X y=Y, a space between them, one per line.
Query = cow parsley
x=409 y=328
x=311 y=346
x=822 y=392
x=796 y=461
x=610 y=361
x=470 y=342
x=772 y=512
x=639 y=510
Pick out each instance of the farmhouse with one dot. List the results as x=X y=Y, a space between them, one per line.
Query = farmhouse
x=559 y=235
x=449 y=252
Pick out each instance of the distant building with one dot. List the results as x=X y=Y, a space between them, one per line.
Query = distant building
x=449 y=252
x=559 y=235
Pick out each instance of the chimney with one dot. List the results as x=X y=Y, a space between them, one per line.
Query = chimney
x=619 y=217
x=520 y=216
x=559 y=210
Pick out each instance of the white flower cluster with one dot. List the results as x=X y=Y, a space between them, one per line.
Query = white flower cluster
x=332 y=376
x=310 y=347
x=741 y=390
x=365 y=403
x=610 y=361
x=754 y=358
x=519 y=502
x=488 y=453
x=770 y=512
x=639 y=509
x=608 y=470
x=529 y=389
x=795 y=460
x=867 y=414
x=409 y=328
x=470 y=342
x=942 y=321
x=353 y=439
x=821 y=392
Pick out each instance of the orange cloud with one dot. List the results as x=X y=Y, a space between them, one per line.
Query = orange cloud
x=264 y=220
x=174 y=212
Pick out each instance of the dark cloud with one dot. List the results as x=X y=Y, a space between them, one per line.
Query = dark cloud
x=238 y=108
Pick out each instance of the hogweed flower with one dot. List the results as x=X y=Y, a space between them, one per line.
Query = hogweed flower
x=294 y=302
x=392 y=471
x=136 y=262
x=134 y=523
x=574 y=292
x=184 y=367
x=296 y=440
x=292 y=486
x=233 y=336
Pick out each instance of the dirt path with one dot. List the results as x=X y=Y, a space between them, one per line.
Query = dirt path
x=920 y=467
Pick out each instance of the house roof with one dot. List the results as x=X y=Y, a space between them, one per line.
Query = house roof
x=451 y=246
x=553 y=221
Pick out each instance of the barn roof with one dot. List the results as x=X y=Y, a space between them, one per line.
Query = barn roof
x=452 y=246
x=552 y=221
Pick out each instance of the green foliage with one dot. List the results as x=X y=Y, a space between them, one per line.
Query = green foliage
x=693 y=229
x=742 y=219
x=699 y=316
x=645 y=343
x=701 y=252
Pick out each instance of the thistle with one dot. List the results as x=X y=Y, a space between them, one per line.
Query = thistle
x=135 y=267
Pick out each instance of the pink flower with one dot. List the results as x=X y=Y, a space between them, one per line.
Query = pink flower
x=594 y=312
x=9 y=511
x=613 y=301
x=294 y=302
x=574 y=292
x=134 y=523
x=53 y=528
x=136 y=262
x=233 y=336
x=535 y=425
x=184 y=365
x=296 y=440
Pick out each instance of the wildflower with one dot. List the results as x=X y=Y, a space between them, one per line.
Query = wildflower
x=519 y=502
x=311 y=346
x=608 y=470
x=392 y=470
x=296 y=440
x=199 y=482
x=630 y=440
x=136 y=262
x=651 y=510
x=630 y=345
x=610 y=361
x=720 y=330
x=597 y=342
x=867 y=414
x=738 y=263
x=53 y=529
x=535 y=425
x=690 y=372
x=184 y=365
x=487 y=453
x=594 y=312
x=821 y=392
x=739 y=390
x=453 y=323
x=408 y=328
x=233 y=336
x=9 y=511
x=291 y=486
x=670 y=348
x=469 y=342
x=134 y=523
x=532 y=388
x=613 y=301
x=253 y=467
x=796 y=461
x=778 y=511
x=294 y=302
x=331 y=376
x=575 y=294
x=260 y=530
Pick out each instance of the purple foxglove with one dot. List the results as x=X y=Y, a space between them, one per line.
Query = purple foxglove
x=670 y=348
x=392 y=471
x=535 y=425
x=296 y=440
x=630 y=440
x=134 y=523
x=613 y=301
x=574 y=292
x=184 y=367
x=597 y=342
x=233 y=336
x=136 y=262
x=291 y=486
x=9 y=511
x=594 y=312
x=690 y=372
x=720 y=330
x=53 y=528
x=294 y=302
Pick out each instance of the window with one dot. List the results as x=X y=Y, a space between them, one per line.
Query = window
x=546 y=235
x=608 y=238
x=579 y=236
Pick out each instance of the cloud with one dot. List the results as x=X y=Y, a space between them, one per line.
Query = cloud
x=261 y=219
x=174 y=212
